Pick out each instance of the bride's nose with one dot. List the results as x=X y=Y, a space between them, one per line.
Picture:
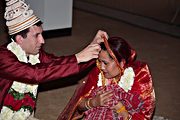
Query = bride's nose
x=102 y=66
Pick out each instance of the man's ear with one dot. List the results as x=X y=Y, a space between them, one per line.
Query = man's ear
x=19 y=39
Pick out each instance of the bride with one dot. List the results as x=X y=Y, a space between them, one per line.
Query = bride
x=118 y=88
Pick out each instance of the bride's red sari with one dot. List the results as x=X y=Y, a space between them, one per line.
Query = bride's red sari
x=142 y=88
x=139 y=101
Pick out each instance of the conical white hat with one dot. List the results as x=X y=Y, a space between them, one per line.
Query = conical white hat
x=19 y=16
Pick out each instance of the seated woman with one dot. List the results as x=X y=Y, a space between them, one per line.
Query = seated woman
x=118 y=88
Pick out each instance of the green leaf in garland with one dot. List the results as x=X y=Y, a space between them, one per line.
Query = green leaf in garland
x=27 y=108
x=32 y=96
x=16 y=95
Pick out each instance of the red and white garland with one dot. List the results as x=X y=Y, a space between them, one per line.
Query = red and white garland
x=20 y=100
x=126 y=81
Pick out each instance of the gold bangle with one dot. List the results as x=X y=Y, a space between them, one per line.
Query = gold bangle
x=121 y=109
x=129 y=117
x=88 y=103
x=85 y=104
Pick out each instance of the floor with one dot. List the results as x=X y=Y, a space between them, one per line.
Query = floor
x=160 y=51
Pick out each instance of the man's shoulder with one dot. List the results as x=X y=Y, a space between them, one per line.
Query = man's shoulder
x=3 y=48
x=4 y=51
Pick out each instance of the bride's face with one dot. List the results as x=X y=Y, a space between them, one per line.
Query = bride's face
x=108 y=65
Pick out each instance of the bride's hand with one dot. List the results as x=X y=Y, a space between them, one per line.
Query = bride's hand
x=102 y=98
x=121 y=110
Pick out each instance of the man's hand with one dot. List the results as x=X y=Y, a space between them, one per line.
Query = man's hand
x=90 y=52
x=98 y=38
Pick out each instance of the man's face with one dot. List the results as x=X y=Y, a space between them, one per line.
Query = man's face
x=34 y=40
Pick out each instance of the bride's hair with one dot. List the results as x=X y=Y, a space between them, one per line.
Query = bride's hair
x=121 y=49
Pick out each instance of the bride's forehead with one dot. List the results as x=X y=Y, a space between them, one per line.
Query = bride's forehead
x=104 y=55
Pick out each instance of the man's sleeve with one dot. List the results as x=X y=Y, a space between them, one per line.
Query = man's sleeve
x=50 y=69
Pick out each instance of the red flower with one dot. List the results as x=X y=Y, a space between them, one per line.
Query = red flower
x=10 y=101
x=15 y=105
x=28 y=101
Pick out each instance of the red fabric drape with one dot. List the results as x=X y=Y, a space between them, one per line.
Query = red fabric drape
x=142 y=87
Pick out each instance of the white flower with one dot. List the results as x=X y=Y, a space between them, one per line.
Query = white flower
x=127 y=79
x=126 y=82
x=19 y=87
x=21 y=114
x=24 y=88
x=6 y=114
x=32 y=89
x=21 y=55
x=18 y=51
x=100 y=80
x=34 y=59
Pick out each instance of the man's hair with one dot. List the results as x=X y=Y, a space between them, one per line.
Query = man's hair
x=24 y=32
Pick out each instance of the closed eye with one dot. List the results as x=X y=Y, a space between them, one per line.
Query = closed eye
x=37 y=35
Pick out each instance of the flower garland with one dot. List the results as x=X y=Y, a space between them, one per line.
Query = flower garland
x=127 y=79
x=126 y=82
x=20 y=100
x=21 y=55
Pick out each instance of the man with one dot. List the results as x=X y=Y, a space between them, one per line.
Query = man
x=24 y=64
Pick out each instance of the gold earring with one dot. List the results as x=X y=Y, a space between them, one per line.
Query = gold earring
x=101 y=72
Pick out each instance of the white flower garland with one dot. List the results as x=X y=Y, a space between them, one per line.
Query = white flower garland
x=127 y=79
x=8 y=114
x=22 y=114
x=21 y=55
x=99 y=83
